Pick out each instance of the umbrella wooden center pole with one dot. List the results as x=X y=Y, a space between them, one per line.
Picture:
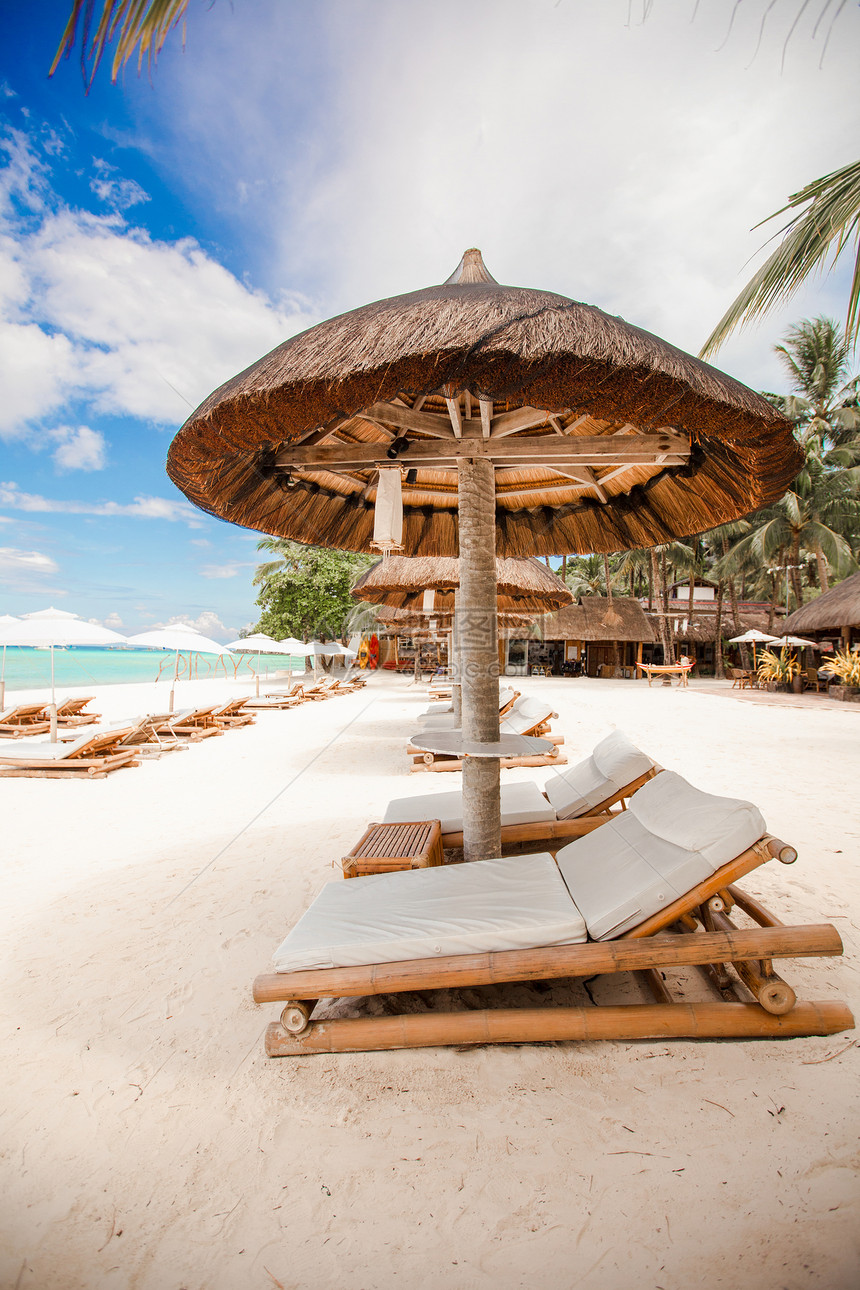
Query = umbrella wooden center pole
x=454 y=667
x=477 y=654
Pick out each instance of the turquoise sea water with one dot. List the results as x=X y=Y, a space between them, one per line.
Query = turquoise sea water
x=28 y=669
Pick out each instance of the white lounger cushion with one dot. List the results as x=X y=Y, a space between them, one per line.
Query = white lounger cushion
x=614 y=763
x=510 y=904
x=521 y=804
x=671 y=837
x=524 y=715
x=46 y=751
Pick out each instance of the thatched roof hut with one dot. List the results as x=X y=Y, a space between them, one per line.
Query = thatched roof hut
x=409 y=622
x=401 y=581
x=586 y=621
x=603 y=436
x=830 y=612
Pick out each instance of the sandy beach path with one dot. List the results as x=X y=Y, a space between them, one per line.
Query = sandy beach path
x=147 y=1142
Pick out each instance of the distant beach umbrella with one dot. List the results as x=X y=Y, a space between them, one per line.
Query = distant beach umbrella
x=4 y=620
x=752 y=637
x=795 y=642
x=257 y=644
x=184 y=639
x=39 y=631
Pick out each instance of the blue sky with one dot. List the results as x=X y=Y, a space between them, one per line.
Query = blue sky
x=300 y=159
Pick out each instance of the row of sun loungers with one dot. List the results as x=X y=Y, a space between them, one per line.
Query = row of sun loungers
x=96 y=754
x=646 y=889
x=35 y=718
x=301 y=693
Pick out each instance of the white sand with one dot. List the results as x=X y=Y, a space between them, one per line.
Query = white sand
x=149 y=1143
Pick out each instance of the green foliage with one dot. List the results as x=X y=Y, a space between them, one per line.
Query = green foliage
x=829 y=224
x=305 y=591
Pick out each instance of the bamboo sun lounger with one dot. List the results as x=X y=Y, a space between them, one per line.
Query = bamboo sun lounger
x=196 y=723
x=441 y=715
x=70 y=712
x=650 y=890
x=276 y=699
x=572 y=803
x=232 y=714
x=526 y=717
x=23 y=719
x=89 y=756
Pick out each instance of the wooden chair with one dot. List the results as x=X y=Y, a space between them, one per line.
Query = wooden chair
x=741 y=680
x=753 y=1001
x=23 y=719
x=89 y=756
x=811 y=680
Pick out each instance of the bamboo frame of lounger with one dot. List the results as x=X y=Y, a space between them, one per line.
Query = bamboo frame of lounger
x=640 y=950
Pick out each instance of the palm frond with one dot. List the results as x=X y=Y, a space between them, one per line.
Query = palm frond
x=141 y=25
x=831 y=220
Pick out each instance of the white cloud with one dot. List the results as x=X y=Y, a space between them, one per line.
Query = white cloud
x=25 y=570
x=80 y=449
x=114 y=622
x=202 y=542
x=613 y=159
x=92 y=307
x=115 y=191
x=225 y=570
x=207 y=622
x=146 y=508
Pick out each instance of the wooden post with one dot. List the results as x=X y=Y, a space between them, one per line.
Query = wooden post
x=478 y=655
x=454 y=667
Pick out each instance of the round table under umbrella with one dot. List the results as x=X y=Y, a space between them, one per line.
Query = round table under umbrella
x=49 y=628
x=526 y=423
x=184 y=639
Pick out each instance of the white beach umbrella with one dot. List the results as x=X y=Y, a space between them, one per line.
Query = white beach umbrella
x=797 y=642
x=257 y=644
x=49 y=613
x=4 y=620
x=752 y=637
x=40 y=631
x=292 y=646
x=184 y=639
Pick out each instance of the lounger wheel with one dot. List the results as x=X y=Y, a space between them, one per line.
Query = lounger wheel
x=428 y=759
x=717 y=905
x=296 y=1017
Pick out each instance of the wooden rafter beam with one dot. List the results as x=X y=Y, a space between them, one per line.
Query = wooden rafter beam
x=544 y=450
x=520 y=419
x=486 y=406
x=456 y=417
x=439 y=427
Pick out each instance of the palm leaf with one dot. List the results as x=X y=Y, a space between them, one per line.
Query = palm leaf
x=831 y=220
x=141 y=25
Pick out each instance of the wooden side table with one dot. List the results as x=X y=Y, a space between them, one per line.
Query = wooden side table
x=387 y=847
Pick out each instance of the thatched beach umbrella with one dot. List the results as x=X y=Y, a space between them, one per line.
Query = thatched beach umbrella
x=401 y=581
x=432 y=583
x=526 y=424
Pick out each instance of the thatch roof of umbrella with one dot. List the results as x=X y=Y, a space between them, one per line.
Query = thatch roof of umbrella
x=586 y=621
x=832 y=610
x=604 y=437
x=401 y=581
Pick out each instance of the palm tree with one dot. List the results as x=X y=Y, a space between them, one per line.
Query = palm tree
x=136 y=24
x=825 y=406
x=830 y=222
